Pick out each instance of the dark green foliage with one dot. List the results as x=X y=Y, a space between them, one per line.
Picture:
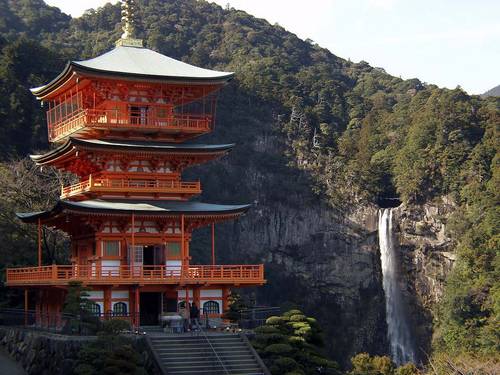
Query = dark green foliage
x=236 y=304
x=291 y=343
x=364 y=364
x=77 y=308
x=110 y=354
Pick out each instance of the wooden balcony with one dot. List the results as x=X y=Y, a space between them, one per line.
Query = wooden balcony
x=96 y=275
x=127 y=121
x=113 y=186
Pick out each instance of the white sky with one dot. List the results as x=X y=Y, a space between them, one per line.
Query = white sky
x=446 y=42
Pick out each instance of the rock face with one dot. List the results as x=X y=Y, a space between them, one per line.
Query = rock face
x=317 y=258
x=427 y=259
x=322 y=262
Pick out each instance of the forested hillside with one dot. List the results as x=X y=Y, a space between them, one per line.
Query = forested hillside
x=311 y=127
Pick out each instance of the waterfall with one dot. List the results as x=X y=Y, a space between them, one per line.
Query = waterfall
x=398 y=327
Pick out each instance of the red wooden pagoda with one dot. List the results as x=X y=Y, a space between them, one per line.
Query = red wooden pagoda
x=120 y=122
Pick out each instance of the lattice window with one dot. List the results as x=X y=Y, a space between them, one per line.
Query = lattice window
x=174 y=250
x=120 y=309
x=111 y=248
x=95 y=309
x=211 y=307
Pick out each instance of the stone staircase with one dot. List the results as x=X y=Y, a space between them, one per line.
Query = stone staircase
x=210 y=354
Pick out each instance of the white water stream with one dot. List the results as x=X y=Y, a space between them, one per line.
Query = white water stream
x=398 y=328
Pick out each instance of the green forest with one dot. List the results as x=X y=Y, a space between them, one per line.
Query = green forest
x=350 y=134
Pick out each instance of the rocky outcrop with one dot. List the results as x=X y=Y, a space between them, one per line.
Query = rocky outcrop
x=427 y=257
x=323 y=262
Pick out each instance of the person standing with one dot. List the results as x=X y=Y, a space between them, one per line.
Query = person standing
x=184 y=312
x=195 y=316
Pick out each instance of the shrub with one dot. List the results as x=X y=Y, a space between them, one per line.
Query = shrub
x=115 y=326
x=292 y=312
x=297 y=318
x=278 y=348
x=286 y=364
x=275 y=320
x=266 y=330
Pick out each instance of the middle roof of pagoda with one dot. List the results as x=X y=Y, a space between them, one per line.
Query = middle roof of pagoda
x=139 y=63
x=72 y=146
x=192 y=209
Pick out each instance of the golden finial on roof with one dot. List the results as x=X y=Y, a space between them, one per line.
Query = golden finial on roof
x=128 y=24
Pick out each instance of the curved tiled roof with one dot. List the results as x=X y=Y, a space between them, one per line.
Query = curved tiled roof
x=191 y=208
x=133 y=146
x=136 y=62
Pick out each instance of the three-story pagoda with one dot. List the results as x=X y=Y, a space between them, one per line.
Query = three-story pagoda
x=120 y=122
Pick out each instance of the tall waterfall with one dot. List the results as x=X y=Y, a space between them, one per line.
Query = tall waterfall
x=398 y=327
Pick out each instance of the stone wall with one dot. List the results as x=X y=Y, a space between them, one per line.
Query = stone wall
x=41 y=353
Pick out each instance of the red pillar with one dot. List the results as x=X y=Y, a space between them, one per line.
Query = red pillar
x=226 y=292
x=107 y=302
x=137 y=308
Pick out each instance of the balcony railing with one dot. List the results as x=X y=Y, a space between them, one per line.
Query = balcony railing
x=126 y=186
x=127 y=120
x=124 y=274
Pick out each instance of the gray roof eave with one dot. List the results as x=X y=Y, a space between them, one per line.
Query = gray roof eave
x=172 y=148
x=146 y=208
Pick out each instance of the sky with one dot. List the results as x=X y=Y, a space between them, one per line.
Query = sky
x=444 y=42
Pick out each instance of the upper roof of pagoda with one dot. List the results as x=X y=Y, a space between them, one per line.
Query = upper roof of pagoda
x=137 y=63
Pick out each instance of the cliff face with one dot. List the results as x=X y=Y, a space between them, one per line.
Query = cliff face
x=427 y=258
x=320 y=259
x=326 y=264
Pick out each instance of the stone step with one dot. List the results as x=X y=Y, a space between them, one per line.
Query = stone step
x=194 y=354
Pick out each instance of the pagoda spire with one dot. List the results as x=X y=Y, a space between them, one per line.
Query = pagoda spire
x=128 y=38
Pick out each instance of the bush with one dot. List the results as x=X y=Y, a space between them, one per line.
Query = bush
x=408 y=369
x=286 y=364
x=278 y=349
x=297 y=318
x=115 y=326
x=266 y=330
x=294 y=345
x=292 y=312
x=275 y=320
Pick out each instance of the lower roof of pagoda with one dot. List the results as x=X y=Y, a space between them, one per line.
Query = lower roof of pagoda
x=190 y=209
x=71 y=148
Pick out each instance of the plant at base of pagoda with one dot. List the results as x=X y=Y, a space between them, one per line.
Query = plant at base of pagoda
x=291 y=344
x=78 y=310
x=111 y=353
x=236 y=304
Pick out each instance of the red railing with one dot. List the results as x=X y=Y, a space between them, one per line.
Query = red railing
x=98 y=184
x=127 y=120
x=124 y=274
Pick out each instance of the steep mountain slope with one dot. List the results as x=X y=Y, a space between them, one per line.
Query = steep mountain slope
x=320 y=139
x=495 y=91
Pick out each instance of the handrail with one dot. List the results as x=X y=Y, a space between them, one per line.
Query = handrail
x=253 y=274
x=139 y=185
x=212 y=347
x=112 y=118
